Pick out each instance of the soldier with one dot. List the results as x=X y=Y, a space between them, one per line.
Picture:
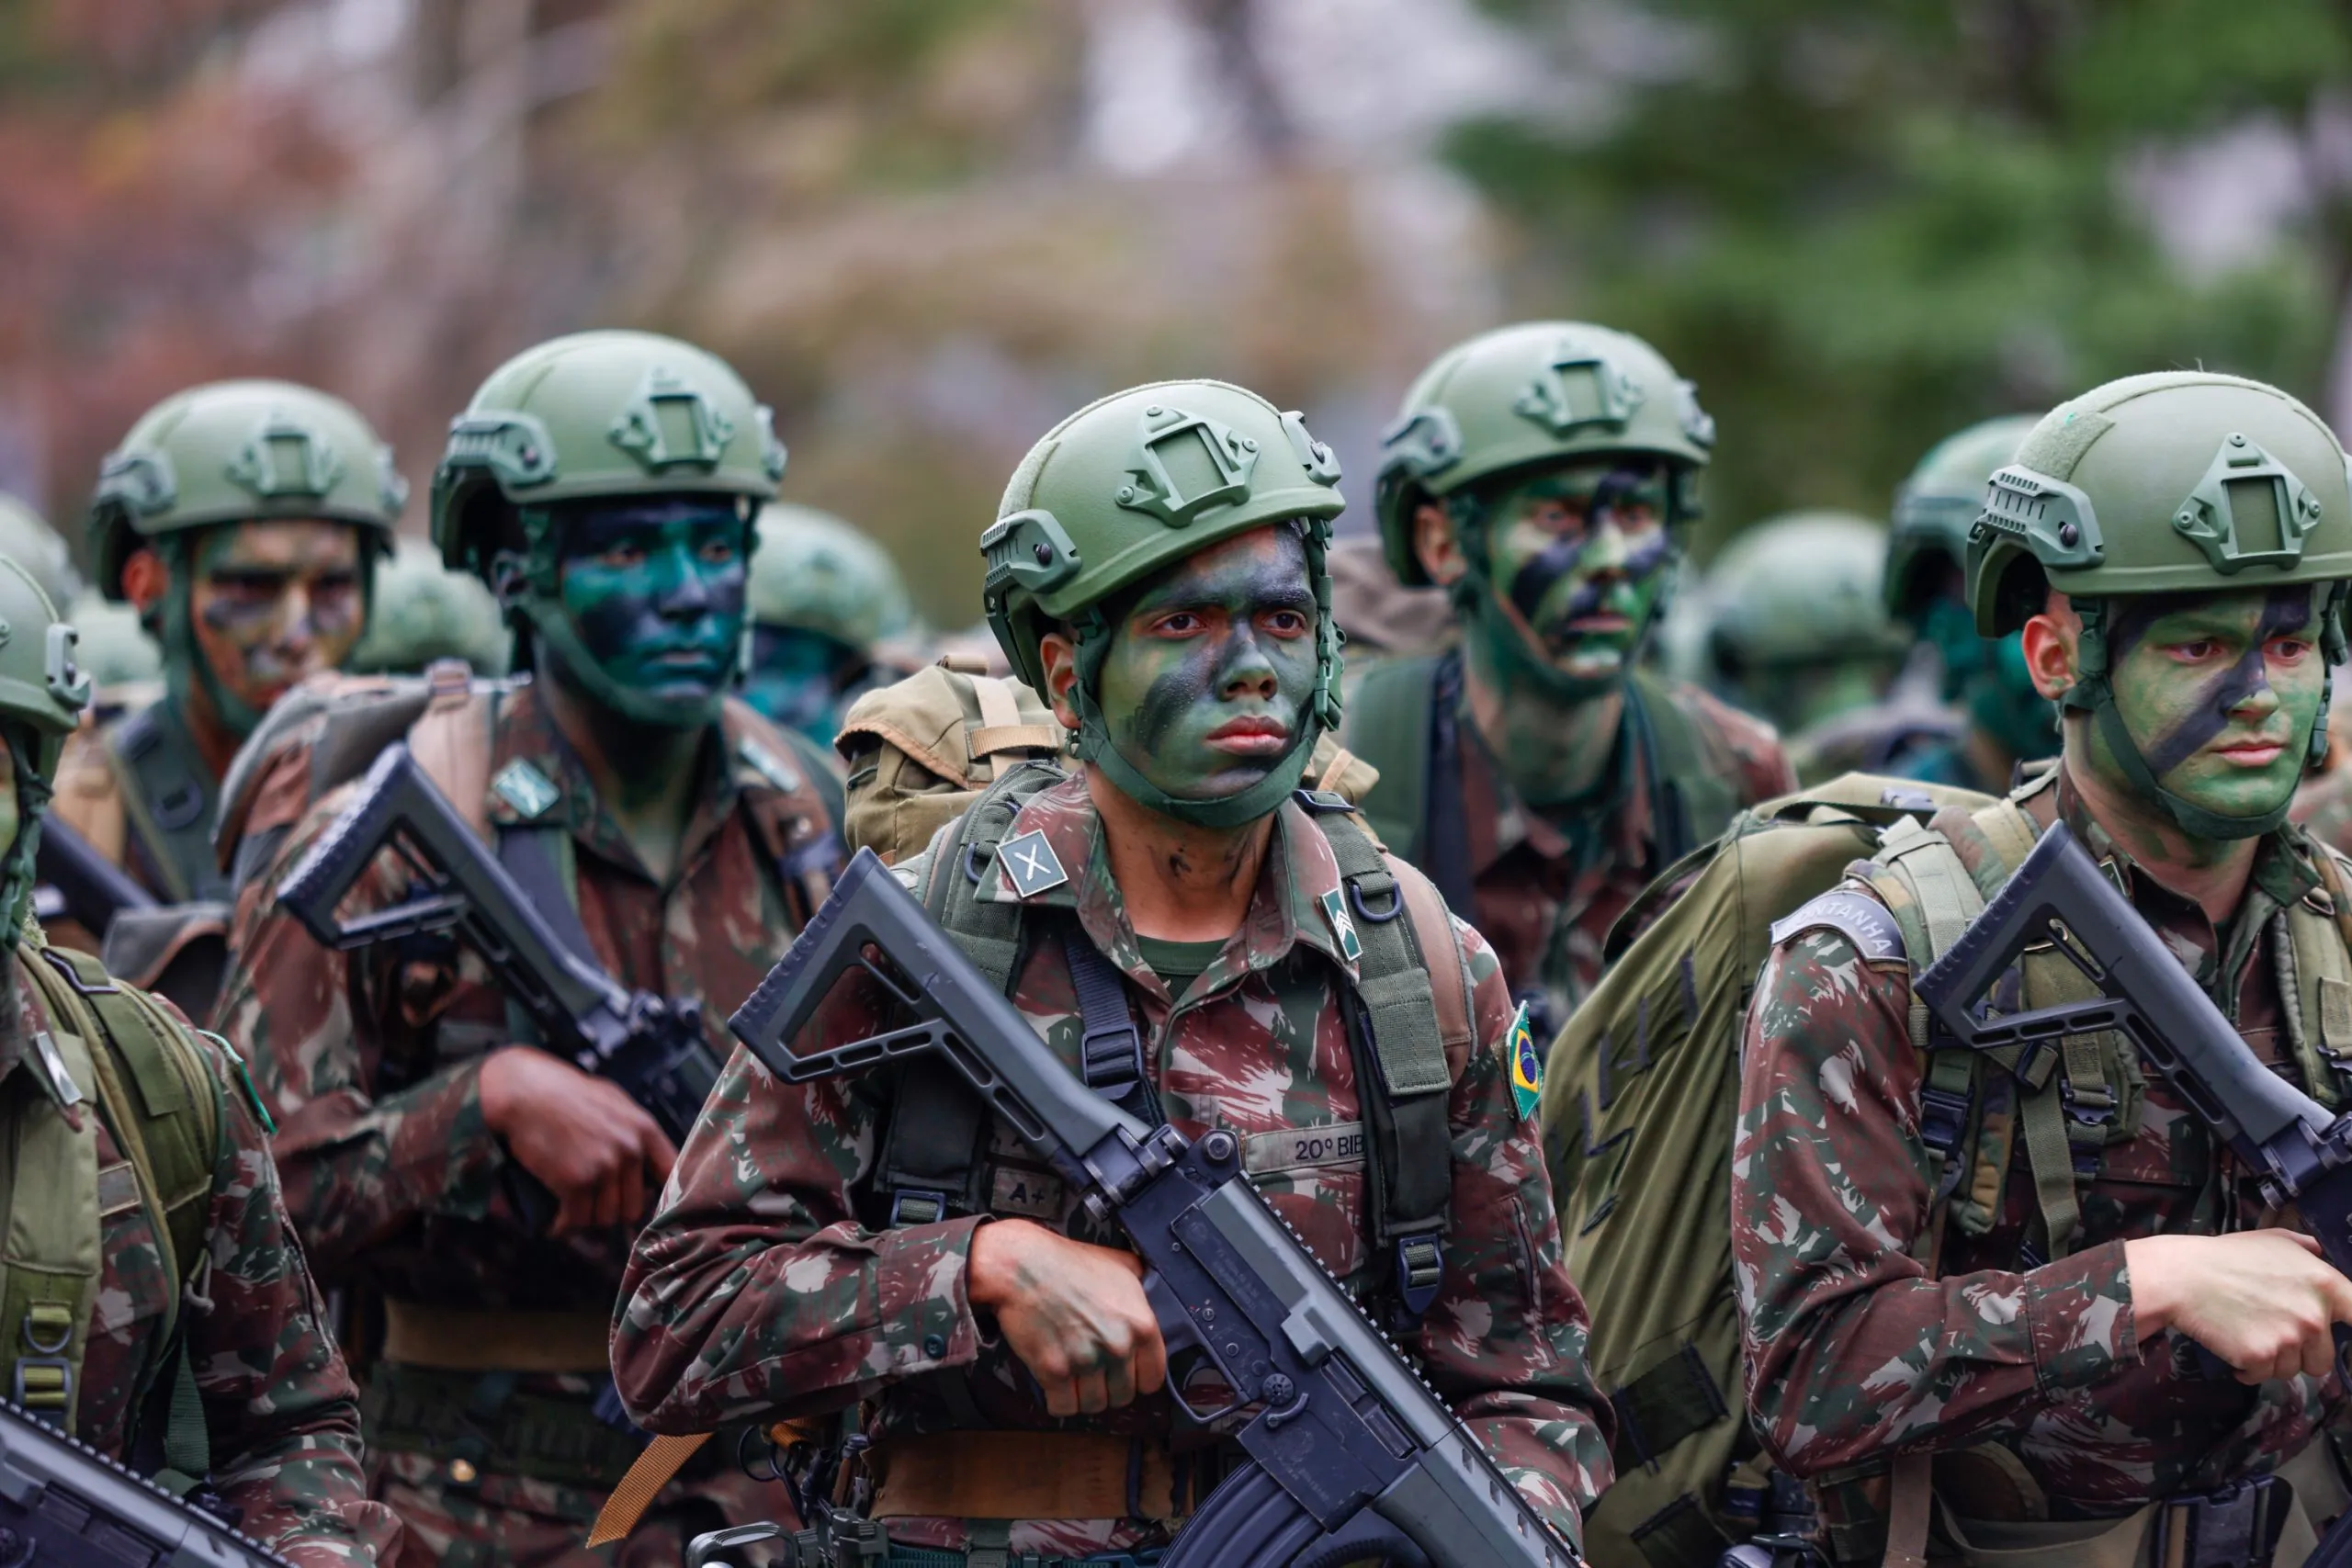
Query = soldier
x=1156 y=567
x=2005 y=720
x=1795 y=631
x=604 y=486
x=422 y=612
x=1937 y=1258
x=822 y=595
x=1543 y=474
x=150 y=1262
x=241 y=519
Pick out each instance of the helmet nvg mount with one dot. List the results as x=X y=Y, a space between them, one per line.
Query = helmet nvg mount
x=1537 y=393
x=595 y=415
x=240 y=452
x=1130 y=485
x=2181 y=482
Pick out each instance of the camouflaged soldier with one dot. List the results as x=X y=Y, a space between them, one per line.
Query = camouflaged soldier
x=1543 y=474
x=1949 y=1271
x=823 y=594
x=152 y=1275
x=242 y=520
x=424 y=613
x=604 y=485
x=1230 y=951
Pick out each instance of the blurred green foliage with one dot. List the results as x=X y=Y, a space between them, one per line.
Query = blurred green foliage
x=1859 y=227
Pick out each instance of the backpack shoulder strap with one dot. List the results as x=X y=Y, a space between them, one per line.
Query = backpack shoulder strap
x=2319 y=1024
x=1389 y=726
x=1413 y=1021
x=791 y=814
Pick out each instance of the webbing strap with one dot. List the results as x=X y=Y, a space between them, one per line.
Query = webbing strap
x=1913 y=1493
x=1667 y=1403
x=1110 y=1047
x=2315 y=975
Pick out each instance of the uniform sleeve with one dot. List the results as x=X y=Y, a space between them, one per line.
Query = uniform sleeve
x=1504 y=1343
x=277 y=1401
x=1852 y=1350
x=755 y=1291
x=357 y=1167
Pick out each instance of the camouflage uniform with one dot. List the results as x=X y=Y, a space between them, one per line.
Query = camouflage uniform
x=767 y=1286
x=1853 y=1349
x=370 y=1065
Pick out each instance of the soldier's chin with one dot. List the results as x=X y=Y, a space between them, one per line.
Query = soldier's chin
x=1585 y=658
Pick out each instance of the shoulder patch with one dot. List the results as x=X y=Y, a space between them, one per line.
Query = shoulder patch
x=1861 y=920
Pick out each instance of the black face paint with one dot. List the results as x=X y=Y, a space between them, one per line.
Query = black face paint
x=2284 y=610
x=1562 y=557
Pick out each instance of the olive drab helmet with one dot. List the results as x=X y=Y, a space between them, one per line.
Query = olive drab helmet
x=595 y=415
x=2180 y=481
x=1535 y=393
x=240 y=452
x=42 y=693
x=27 y=538
x=1127 y=485
x=424 y=612
x=1801 y=588
x=814 y=572
x=1938 y=503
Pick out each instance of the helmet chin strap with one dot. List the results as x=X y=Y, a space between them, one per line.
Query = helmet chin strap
x=185 y=666
x=17 y=873
x=2094 y=694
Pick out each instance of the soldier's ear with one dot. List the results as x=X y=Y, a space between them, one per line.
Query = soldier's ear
x=1437 y=546
x=2052 y=647
x=145 y=578
x=1057 y=656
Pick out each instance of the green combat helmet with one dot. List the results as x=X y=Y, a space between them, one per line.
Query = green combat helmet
x=1928 y=544
x=1797 y=631
x=27 y=538
x=422 y=611
x=1131 y=484
x=2181 y=482
x=42 y=693
x=595 y=415
x=240 y=452
x=1536 y=394
x=114 y=650
x=823 y=593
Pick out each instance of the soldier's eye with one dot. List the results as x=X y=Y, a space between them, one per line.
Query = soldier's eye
x=250 y=584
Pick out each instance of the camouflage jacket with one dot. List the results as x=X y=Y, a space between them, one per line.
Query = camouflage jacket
x=2323 y=806
x=763 y=1285
x=1854 y=1350
x=139 y=791
x=1546 y=896
x=371 y=1063
x=278 y=1404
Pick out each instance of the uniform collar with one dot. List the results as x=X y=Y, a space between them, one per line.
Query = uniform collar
x=1499 y=822
x=2283 y=872
x=1292 y=906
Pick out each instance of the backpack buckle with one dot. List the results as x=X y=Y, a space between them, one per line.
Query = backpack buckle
x=44 y=1380
x=917 y=1206
x=1943 y=1116
x=1111 y=1059
x=1421 y=1270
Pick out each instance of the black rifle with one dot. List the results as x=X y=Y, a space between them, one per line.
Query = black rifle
x=88 y=888
x=651 y=1047
x=2301 y=1154
x=1351 y=1455
x=63 y=1505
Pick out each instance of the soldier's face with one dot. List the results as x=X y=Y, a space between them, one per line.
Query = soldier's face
x=1575 y=557
x=10 y=821
x=655 y=593
x=271 y=602
x=2220 y=693
x=1211 y=665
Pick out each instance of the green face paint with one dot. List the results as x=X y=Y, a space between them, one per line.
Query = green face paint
x=1573 y=561
x=1210 y=667
x=648 y=612
x=2220 y=693
x=794 y=677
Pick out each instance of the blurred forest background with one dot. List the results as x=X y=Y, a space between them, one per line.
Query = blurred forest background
x=926 y=229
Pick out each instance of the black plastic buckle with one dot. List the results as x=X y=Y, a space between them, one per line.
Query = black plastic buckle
x=1420 y=1271
x=1321 y=802
x=907 y=1203
x=2225 y=1529
x=1110 y=1060
x=1943 y=1117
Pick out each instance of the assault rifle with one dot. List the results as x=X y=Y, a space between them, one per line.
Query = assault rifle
x=651 y=1047
x=1351 y=1456
x=63 y=1505
x=2299 y=1153
x=74 y=881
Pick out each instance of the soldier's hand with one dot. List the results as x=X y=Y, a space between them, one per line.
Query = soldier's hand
x=593 y=1147
x=2264 y=1301
x=1074 y=1314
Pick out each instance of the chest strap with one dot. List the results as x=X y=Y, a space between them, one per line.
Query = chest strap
x=1110 y=1051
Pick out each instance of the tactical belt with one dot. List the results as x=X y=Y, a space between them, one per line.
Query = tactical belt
x=453 y=1339
x=1040 y=1475
x=494 y=1428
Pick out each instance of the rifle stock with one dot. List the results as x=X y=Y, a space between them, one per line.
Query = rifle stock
x=1352 y=1455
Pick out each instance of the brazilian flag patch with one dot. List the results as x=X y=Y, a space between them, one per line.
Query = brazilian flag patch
x=1526 y=1065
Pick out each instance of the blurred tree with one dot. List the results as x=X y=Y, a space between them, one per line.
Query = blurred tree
x=1859 y=227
